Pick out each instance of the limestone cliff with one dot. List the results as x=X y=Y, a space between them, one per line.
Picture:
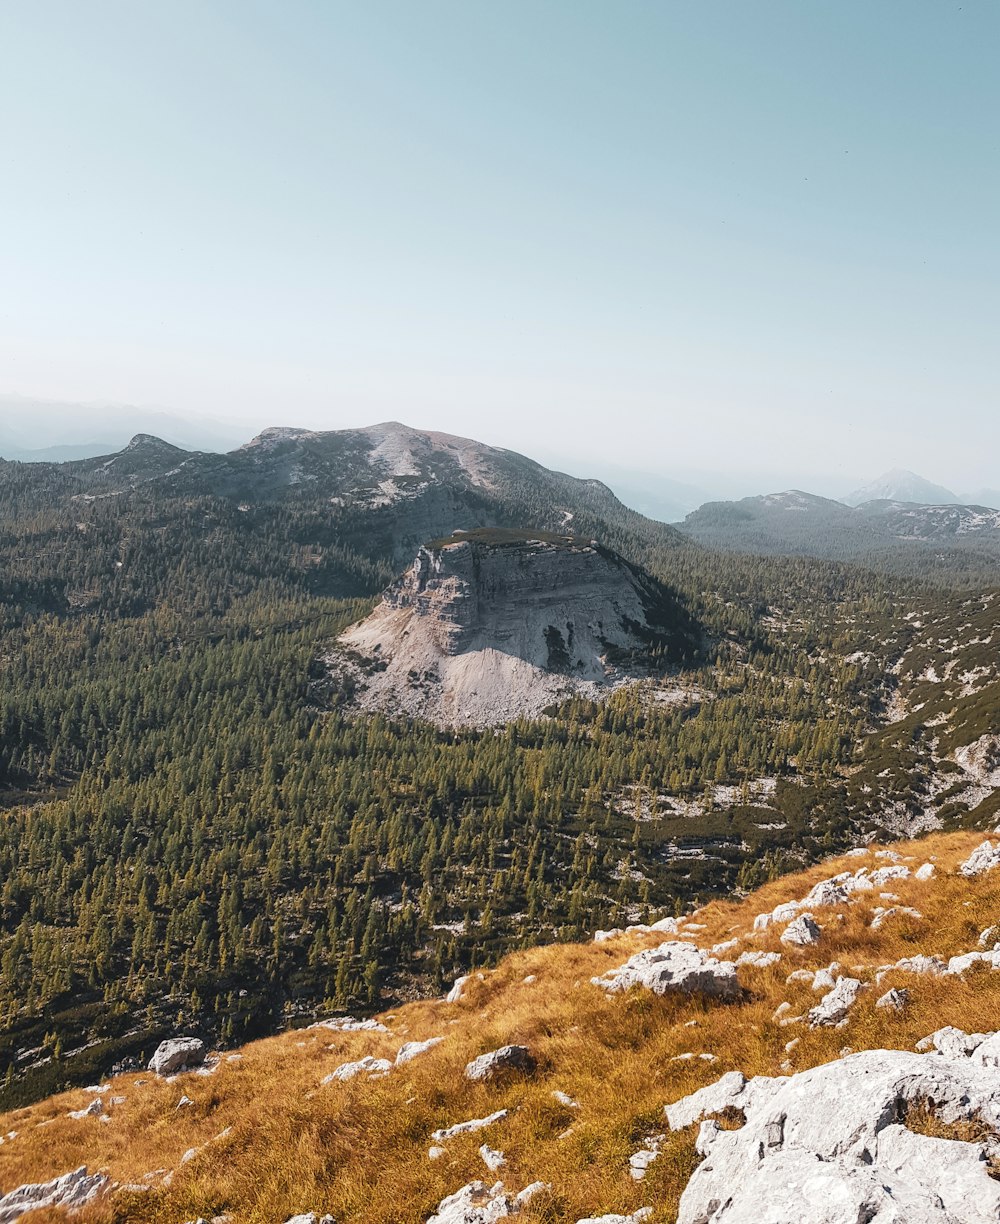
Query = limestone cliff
x=488 y=626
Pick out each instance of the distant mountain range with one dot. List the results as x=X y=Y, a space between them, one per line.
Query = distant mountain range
x=912 y=536
x=50 y=431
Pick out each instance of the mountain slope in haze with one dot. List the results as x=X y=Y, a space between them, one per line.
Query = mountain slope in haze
x=948 y=542
x=901 y=485
x=28 y=427
x=383 y=490
x=380 y=1124
x=490 y=626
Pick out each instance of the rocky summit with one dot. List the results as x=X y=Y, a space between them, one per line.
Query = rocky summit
x=492 y=625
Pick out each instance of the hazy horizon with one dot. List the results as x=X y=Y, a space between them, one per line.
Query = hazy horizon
x=757 y=242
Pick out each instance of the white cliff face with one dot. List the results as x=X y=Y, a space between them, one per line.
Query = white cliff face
x=486 y=629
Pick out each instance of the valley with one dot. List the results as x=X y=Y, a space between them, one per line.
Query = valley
x=201 y=826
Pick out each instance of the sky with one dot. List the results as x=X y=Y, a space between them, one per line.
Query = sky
x=675 y=236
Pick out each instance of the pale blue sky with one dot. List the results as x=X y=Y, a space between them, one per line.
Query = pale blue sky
x=707 y=233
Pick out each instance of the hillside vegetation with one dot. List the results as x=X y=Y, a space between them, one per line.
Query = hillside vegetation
x=189 y=810
x=262 y=1136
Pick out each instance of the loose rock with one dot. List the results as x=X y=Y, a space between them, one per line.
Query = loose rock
x=507 y=1058
x=833 y=1007
x=466 y=1128
x=372 y=1067
x=413 y=1049
x=985 y=857
x=803 y=932
x=893 y=1000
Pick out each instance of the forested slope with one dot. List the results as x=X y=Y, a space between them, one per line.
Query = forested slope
x=194 y=828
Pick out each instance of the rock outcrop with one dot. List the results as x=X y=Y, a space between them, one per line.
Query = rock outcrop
x=490 y=626
x=70 y=1191
x=673 y=966
x=478 y=1203
x=985 y=857
x=177 y=1054
x=830 y=1145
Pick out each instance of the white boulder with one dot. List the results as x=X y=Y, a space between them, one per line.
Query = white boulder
x=826 y=979
x=990 y=938
x=372 y=1067
x=893 y=1000
x=834 y=1006
x=507 y=1058
x=673 y=966
x=883 y=875
x=759 y=960
x=635 y=1218
x=952 y=1042
x=475 y=1203
x=803 y=932
x=94 y=1110
x=959 y=964
x=348 y=1024
x=882 y=916
x=413 y=1049
x=177 y=1054
x=468 y=1128
x=985 y=857
x=491 y=1157
x=478 y=1203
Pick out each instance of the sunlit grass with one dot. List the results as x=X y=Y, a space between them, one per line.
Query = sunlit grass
x=359 y=1149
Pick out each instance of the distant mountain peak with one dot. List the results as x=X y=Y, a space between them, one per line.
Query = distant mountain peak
x=146 y=441
x=902 y=485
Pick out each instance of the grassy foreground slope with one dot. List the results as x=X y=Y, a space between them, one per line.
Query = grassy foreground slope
x=269 y=1140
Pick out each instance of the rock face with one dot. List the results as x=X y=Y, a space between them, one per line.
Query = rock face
x=828 y=1146
x=176 y=1054
x=491 y=625
x=673 y=966
x=69 y=1191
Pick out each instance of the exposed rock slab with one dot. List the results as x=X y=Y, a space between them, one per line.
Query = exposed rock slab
x=827 y=1147
x=674 y=965
x=70 y=1191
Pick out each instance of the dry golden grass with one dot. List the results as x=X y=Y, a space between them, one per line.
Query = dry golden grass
x=359 y=1149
